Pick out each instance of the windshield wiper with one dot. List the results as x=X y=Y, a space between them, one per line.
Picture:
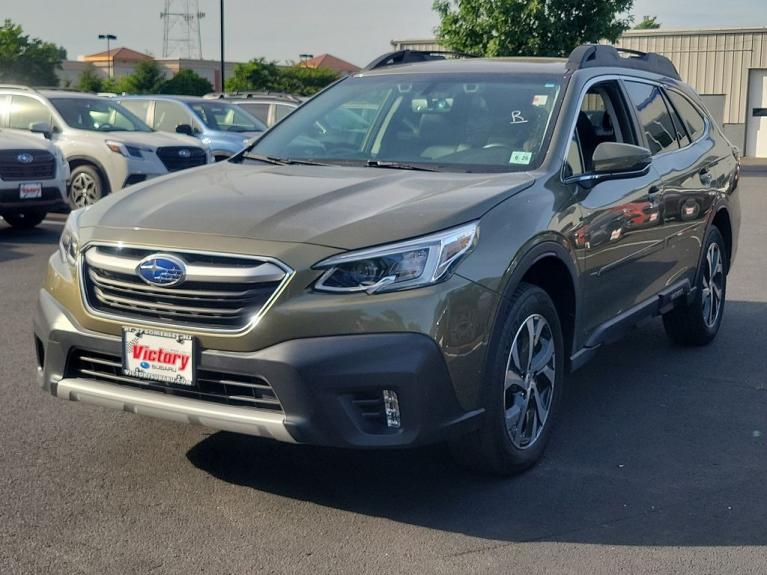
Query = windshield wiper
x=281 y=161
x=398 y=166
x=265 y=159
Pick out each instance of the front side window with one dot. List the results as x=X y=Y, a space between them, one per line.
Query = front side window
x=602 y=117
x=139 y=108
x=97 y=115
x=26 y=111
x=257 y=109
x=226 y=117
x=691 y=118
x=170 y=115
x=654 y=117
x=478 y=122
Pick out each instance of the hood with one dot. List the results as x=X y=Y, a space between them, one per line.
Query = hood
x=233 y=137
x=339 y=207
x=154 y=139
x=10 y=140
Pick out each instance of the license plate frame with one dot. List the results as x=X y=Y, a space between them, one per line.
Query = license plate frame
x=166 y=358
x=30 y=191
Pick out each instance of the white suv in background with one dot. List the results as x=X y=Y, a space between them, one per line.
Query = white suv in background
x=107 y=147
x=33 y=178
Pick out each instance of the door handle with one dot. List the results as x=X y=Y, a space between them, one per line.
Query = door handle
x=705 y=177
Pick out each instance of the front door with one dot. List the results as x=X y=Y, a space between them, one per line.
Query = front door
x=619 y=237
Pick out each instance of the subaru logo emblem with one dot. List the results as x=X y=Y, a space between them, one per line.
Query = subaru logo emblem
x=24 y=158
x=162 y=270
x=184 y=153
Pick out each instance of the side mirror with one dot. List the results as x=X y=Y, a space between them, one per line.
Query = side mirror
x=185 y=129
x=43 y=128
x=615 y=160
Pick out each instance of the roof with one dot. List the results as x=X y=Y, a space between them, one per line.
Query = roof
x=186 y=99
x=477 y=66
x=695 y=31
x=330 y=62
x=67 y=94
x=120 y=54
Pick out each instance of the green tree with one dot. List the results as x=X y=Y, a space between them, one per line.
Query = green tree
x=187 y=83
x=28 y=60
x=262 y=75
x=648 y=23
x=90 y=81
x=528 y=27
x=305 y=81
x=258 y=74
x=147 y=78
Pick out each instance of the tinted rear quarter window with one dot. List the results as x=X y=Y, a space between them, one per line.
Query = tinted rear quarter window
x=691 y=118
x=654 y=117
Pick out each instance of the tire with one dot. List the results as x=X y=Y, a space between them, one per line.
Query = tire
x=25 y=220
x=86 y=186
x=698 y=322
x=510 y=392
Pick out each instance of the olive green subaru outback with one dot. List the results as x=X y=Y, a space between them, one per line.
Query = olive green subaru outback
x=420 y=253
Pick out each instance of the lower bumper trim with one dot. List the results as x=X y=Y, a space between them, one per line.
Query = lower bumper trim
x=183 y=410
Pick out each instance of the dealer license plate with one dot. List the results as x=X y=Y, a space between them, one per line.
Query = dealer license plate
x=30 y=191
x=159 y=356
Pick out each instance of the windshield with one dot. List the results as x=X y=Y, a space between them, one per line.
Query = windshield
x=445 y=122
x=98 y=115
x=226 y=117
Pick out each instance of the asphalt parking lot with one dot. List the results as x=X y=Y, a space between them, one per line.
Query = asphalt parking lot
x=658 y=465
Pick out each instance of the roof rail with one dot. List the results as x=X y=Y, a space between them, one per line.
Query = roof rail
x=252 y=94
x=17 y=87
x=412 y=56
x=603 y=55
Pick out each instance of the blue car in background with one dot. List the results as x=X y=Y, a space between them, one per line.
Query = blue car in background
x=224 y=128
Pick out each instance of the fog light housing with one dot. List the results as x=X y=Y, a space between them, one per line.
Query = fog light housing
x=391 y=408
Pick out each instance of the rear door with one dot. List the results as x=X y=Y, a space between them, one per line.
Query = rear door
x=684 y=194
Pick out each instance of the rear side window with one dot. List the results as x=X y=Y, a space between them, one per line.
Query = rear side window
x=691 y=118
x=654 y=117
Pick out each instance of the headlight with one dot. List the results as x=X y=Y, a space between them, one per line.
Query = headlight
x=117 y=147
x=126 y=150
x=69 y=243
x=399 y=266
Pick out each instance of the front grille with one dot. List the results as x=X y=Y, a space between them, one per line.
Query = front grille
x=42 y=166
x=226 y=388
x=220 y=292
x=175 y=158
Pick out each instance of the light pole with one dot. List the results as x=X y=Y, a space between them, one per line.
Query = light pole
x=109 y=38
x=223 y=85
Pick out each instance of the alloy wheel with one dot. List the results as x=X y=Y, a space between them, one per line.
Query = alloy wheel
x=713 y=283
x=530 y=379
x=83 y=190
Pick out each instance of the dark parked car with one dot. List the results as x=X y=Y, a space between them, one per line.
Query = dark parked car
x=429 y=271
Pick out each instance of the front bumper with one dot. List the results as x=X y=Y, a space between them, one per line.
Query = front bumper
x=53 y=197
x=321 y=384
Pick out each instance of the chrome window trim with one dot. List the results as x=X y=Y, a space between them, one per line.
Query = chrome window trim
x=628 y=78
x=128 y=321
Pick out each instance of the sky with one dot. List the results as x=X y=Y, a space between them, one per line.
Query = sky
x=355 y=30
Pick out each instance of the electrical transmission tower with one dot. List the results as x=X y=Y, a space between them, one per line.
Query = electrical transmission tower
x=181 y=36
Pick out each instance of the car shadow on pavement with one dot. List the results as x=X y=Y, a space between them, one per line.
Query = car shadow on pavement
x=657 y=445
x=13 y=240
